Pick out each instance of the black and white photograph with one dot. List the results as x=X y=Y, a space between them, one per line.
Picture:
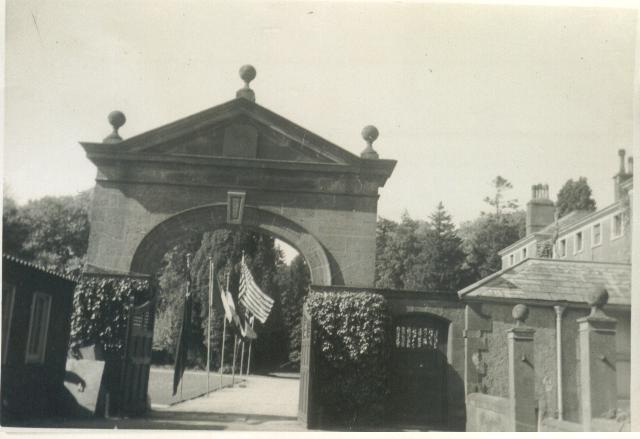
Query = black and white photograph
x=319 y=216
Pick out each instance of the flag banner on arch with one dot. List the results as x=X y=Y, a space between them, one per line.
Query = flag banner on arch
x=251 y=296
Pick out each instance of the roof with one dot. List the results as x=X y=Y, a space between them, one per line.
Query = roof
x=555 y=281
x=36 y=267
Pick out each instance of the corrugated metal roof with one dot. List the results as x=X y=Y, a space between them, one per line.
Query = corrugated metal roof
x=555 y=280
x=37 y=267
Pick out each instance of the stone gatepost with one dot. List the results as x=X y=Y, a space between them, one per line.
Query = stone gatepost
x=597 y=361
x=521 y=372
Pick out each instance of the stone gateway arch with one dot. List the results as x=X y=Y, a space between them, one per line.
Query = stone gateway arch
x=235 y=165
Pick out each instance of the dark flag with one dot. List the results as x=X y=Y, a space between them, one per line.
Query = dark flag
x=185 y=329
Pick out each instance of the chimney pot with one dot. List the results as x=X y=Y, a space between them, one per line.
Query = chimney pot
x=621 y=154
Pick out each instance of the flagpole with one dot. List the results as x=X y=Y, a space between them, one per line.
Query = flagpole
x=224 y=333
x=209 y=323
x=233 y=368
x=184 y=324
x=249 y=357
x=241 y=358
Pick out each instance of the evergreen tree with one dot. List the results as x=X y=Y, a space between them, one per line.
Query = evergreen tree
x=498 y=200
x=295 y=280
x=441 y=256
x=575 y=195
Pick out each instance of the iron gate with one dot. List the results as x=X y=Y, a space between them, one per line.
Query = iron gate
x=419 y=377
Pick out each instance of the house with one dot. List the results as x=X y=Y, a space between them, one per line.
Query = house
x=555 y=271
x=36 y=317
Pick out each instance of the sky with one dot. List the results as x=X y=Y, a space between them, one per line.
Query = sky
x=459 y=93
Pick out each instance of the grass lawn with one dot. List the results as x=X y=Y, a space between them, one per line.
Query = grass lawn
x=194 y=385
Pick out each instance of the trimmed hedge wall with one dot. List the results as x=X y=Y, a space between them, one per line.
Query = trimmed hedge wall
x=351 y=357
x=100 y=310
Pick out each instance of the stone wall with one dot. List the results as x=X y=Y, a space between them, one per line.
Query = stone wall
x=488 y=413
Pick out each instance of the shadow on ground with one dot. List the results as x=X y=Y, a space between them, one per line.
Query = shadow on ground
x=167 y=420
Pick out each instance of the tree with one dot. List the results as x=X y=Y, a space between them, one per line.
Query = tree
x=51 y=231
x=14 y=229
x=485 y=236
x=497 y=200
x=441 y=259
x=575 y=195
x=295 y=280
x=397 y=253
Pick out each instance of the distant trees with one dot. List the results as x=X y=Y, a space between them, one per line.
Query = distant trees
x=419 y=255
x=485 y=236
x=575 y=195
x=50 y=231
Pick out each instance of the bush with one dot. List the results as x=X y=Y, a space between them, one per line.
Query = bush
x=351 y=356
x=100 y=310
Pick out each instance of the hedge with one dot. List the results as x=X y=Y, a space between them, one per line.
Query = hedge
x=100 y=310
x=351 y=356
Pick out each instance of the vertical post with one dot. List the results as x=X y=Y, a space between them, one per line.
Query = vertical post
x=241 y=358
x=598 y=383
x=249 y=356
x=521 y=372
x=559 y=311
x=224 y=336
x=233 y=367
x=209 y=322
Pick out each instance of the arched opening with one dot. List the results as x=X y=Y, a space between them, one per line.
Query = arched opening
x=275 y=352
x=148 y=256
x=419 y=362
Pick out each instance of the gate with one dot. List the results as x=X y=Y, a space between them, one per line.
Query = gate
x=137 y=358
x=305 y=402
x=419 y=377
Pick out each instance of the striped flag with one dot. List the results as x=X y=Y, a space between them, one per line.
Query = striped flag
x=251 y=296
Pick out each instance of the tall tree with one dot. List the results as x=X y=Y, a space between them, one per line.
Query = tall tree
x=575 y=195
x=295 y=280
x=397 y=253
x=485 y=236
x=498 y=200
x=441 y=258
x=50 y=231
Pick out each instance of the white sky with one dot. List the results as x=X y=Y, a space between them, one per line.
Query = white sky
x=460 y=94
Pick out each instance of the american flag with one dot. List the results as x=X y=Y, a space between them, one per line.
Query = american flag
x=251 y=296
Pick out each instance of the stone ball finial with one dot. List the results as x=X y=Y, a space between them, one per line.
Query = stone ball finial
x=369 y=134
x=598 y=297
x=116 y=119
x=520 y=313
x=247 y=74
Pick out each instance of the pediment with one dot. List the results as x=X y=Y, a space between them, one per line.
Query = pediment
x=238 y=129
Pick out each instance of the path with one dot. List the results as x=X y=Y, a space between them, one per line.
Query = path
x=194 y=384
x=261 y=403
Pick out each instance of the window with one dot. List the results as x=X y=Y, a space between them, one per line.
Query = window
x=8 y=299
x=38 y=328
x=562 y=248
x=524 y=253
x=511 y=259
x=596 y=234
x=577 y=243
x=616 y=226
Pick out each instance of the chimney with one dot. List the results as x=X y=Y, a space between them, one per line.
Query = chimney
x=540 y=209
x=622 y=175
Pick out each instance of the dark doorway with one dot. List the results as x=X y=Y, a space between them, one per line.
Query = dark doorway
x=419 y=378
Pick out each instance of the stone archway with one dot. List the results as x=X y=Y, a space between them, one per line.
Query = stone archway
x=164 y=236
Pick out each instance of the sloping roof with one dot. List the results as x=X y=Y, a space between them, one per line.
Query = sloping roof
x=556 y=281
x=36 y=267
x=566 y=221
